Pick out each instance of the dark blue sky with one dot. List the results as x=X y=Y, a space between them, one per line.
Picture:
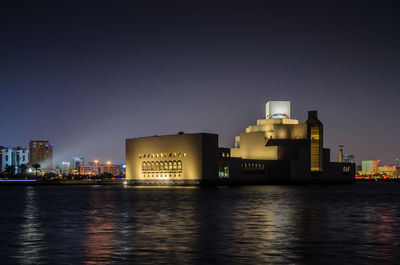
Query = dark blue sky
x=87 y=75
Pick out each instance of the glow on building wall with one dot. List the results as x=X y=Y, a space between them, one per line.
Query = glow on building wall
x=315 y=147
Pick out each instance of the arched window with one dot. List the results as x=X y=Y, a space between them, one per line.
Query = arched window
x=165 y=165
x=144 y=167
x=175 y=165
x=175 y=154
x=179 y=154
x=152 y=165
x=227 y=155
x=170 y=154
x=179 y=165
x=157 y=166
x=161 y=165
x=223 y=154
x=162 y=155
x=148 y=166
x=170 y=165
x=184 y=154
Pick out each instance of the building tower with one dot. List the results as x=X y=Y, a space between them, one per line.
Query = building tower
x=341 y=153
x=315 y=141
x=75 y=162
x=277 y=109
x=41 y=152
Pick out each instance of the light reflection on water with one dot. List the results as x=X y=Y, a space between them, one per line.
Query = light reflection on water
x=251 y=224
x=100 y=229
x=31 y=235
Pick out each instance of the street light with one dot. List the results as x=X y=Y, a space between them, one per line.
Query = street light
x=108 y=166
x=96 y=168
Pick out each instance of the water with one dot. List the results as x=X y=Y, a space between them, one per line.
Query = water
x=358 y=224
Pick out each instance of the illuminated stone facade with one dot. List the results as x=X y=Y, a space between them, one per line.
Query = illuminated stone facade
x=257 y=141
x=173 y=159
x=277 y=149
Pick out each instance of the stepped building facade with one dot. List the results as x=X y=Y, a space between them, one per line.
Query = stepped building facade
x=278 y=149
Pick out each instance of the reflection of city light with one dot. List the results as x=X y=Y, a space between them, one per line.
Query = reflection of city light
x=30 y=228
x=100 y=242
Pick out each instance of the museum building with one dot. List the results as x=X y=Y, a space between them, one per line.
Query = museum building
x=278 y=149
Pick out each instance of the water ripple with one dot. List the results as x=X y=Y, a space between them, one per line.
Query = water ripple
x=242 y=225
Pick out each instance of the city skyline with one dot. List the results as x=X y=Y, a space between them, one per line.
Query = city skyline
x=86 y=77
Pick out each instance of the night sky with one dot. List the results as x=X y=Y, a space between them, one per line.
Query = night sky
x=88 y=75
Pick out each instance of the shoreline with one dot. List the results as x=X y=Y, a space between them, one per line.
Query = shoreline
x=65 y=182
x=121 y=182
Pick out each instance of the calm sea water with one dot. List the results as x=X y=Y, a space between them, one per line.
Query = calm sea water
x=358 y=224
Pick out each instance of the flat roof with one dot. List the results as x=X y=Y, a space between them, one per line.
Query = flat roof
x=178 y=134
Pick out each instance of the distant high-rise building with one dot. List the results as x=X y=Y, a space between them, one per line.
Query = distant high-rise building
x=369 y=167
x=20 y=156
x=75 y=162
x=348 y=159
x=41 y=152
x=65 y=168
x=1 y=157
x=13 y=157
x=6 y=154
